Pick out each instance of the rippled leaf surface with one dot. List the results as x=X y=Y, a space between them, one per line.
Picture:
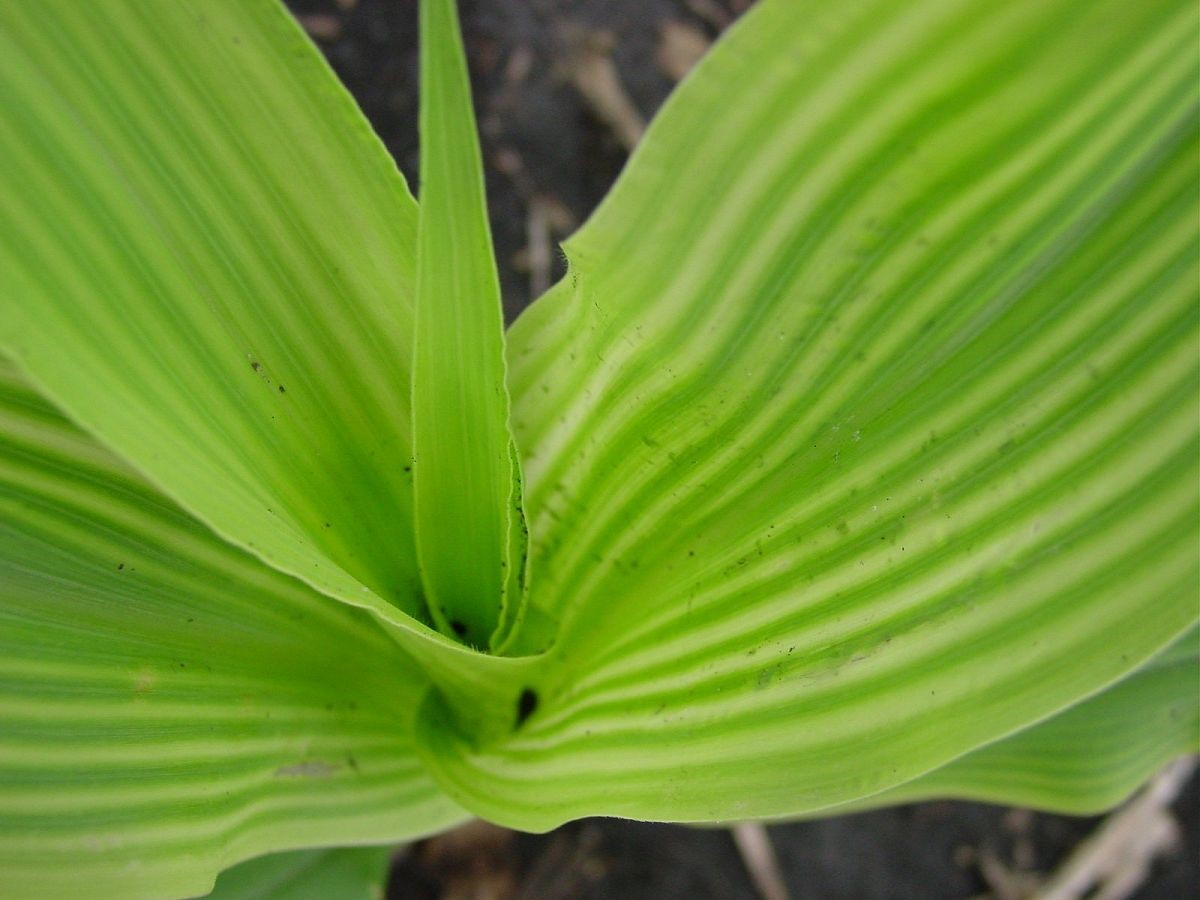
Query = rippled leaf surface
x=859 y=443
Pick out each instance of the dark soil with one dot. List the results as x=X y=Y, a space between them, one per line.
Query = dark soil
x=543 y=142
x=539 y=136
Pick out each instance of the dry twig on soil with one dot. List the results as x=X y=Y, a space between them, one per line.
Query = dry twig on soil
x=758 y=855
x=592 y=71
x=1117 y=857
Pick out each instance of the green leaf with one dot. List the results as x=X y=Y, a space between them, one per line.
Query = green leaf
x=168 y=705
x=860 y=437
x=470 y=528
x=208 y=262
x=1088 y=758
x=348 y=873
x=862 y=433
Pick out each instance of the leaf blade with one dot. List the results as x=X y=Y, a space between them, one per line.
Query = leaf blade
x=860 y=412
x=469 y=520
x=169 y=705
x=209 y=262
x=1088 y=758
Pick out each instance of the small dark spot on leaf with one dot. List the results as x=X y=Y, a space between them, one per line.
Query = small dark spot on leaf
x=526 y=704
x=255 y=365
x=120 y=566
x=282 y=390
x=459 y=628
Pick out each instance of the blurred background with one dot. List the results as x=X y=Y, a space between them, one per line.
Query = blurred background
x=563 y=89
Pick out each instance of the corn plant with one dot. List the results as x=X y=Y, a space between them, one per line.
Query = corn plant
x=854 y=460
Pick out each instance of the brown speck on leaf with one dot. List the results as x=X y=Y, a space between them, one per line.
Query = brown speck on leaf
x=145 y=680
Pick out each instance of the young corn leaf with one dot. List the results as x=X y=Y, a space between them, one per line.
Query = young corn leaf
x=862 y=433
x=209 y=262
x=168 y=705
x=470 y=530
x=859 y=442
x=1087 y=758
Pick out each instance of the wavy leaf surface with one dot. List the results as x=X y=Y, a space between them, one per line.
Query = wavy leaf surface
x=862 y=433
x=168 y=705
x=860 y=436
x=209 y=262
x=1088 y=758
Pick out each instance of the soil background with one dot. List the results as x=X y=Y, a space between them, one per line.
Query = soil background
x=551 y=155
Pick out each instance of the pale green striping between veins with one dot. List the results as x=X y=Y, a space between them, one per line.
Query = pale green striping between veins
x=702 y=593
x=168 y=706
x=470 y=527
x=859 y=444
